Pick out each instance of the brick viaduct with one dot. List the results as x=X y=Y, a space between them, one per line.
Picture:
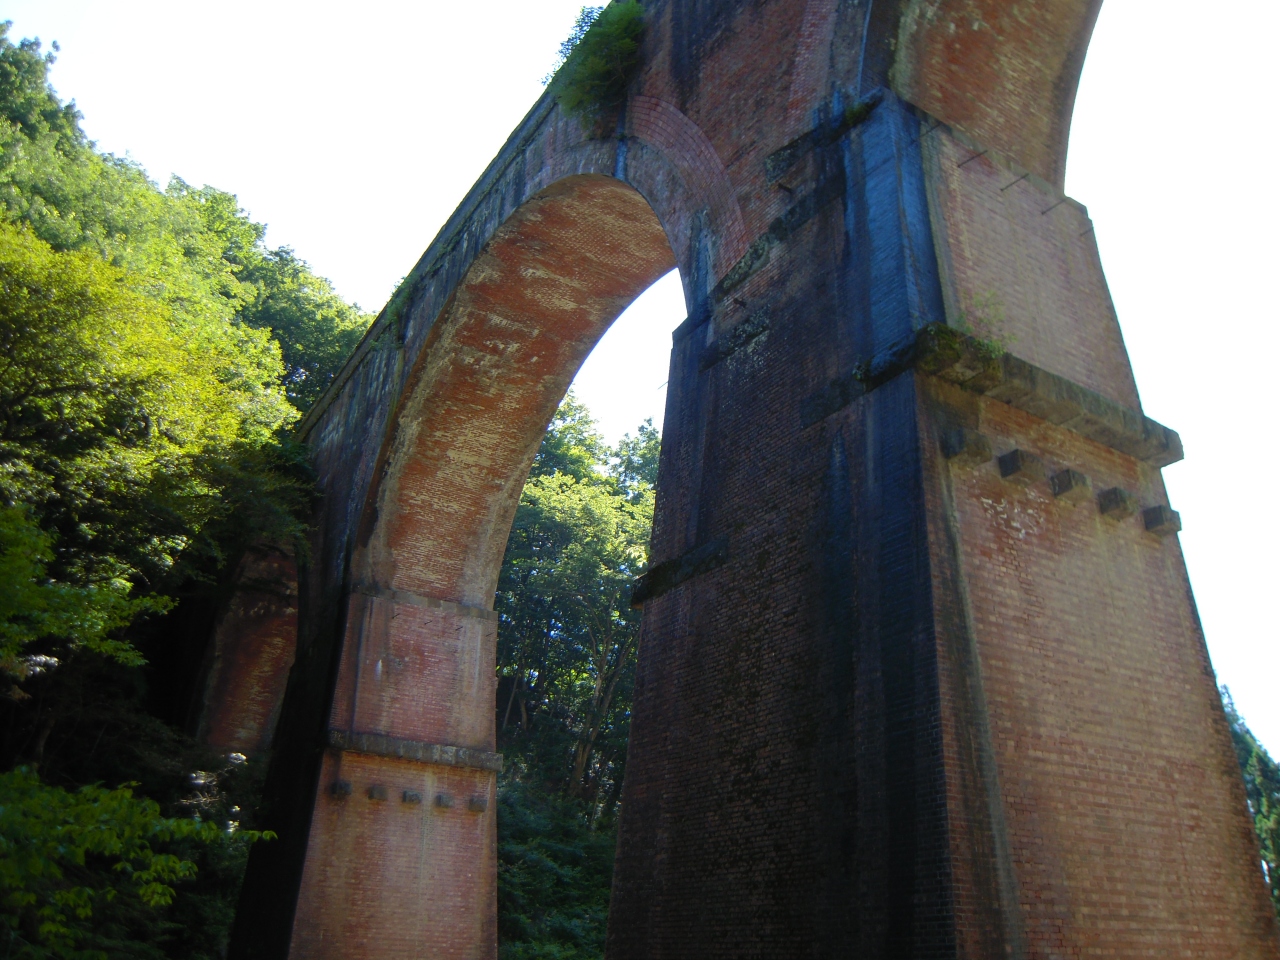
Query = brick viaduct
x=921 y=673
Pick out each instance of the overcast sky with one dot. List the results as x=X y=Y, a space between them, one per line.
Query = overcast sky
x=354 y=130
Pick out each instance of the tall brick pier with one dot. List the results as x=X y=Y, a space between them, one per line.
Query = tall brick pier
x=921 y=673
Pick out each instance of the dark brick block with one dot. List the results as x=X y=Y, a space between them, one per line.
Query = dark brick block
x=1161 y=521
x=962 y=445
x=1071 y=486
x=1021 y=467
x=1117 y=503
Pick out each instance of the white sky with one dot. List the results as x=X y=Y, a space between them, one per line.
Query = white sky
x=354 y=130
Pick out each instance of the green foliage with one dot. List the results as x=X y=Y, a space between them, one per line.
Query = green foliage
x=25 y=99
x=32 y=606
x=68 y=860
x=192 y=249
x=566 y=660
x=635 y=461
x=554 y=871
x=1262 y=787
x=143 y=397
x=317 y=330
x=568 y=634
x=599 y=59
x=572 y=445
x=153 y=353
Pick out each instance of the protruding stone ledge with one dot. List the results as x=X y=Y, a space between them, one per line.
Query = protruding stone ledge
x=671 y=573
x=965 y=445
x=1117 y=503
x=379 y=745
x=1071 y=486
x=1161 y=520
x=973 y=365
x=446 y=606
x=1021 y=467
x=978 y=367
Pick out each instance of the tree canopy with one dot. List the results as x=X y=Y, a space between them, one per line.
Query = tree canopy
x=154 y=355
x=567 y=644
x=1262 y=788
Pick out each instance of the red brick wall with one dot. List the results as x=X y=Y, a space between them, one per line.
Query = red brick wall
x=1020 y=262
x=1117 y=783
x=418 y=671
x=253 y=648
x=1004 y=72
x=386 y=878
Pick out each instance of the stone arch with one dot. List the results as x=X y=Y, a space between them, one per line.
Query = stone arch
x=827 y=456
x=533 y=304
x=416 y=677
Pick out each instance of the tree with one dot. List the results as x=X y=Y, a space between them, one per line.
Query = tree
x=634 y=464
x=566 y=659
x=153 y=353
x=75 y=867
x=1262 y=788
x=554 y=872
x=317 y=330
x=111 y=408
x=575 y=548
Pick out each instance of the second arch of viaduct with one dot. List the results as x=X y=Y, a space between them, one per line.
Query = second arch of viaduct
x=920 y=673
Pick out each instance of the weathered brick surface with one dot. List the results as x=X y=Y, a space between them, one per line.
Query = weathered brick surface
x=913 y=709
x=417 y=672
x=1005 y=72
x=252 y=650
x=1020 y=262
x=1099 y=697
x=393 y=879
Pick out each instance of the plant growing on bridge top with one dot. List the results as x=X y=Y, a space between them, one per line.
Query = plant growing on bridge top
x=599 y=59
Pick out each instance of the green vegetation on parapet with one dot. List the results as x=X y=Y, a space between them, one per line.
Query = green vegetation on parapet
x=598 y=60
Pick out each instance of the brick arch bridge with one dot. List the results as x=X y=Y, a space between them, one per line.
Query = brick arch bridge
x=921 y=673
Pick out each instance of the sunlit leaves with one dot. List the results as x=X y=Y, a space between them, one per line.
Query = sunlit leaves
x=68 y=856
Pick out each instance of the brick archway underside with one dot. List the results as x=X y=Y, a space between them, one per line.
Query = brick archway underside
x=532 y=306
